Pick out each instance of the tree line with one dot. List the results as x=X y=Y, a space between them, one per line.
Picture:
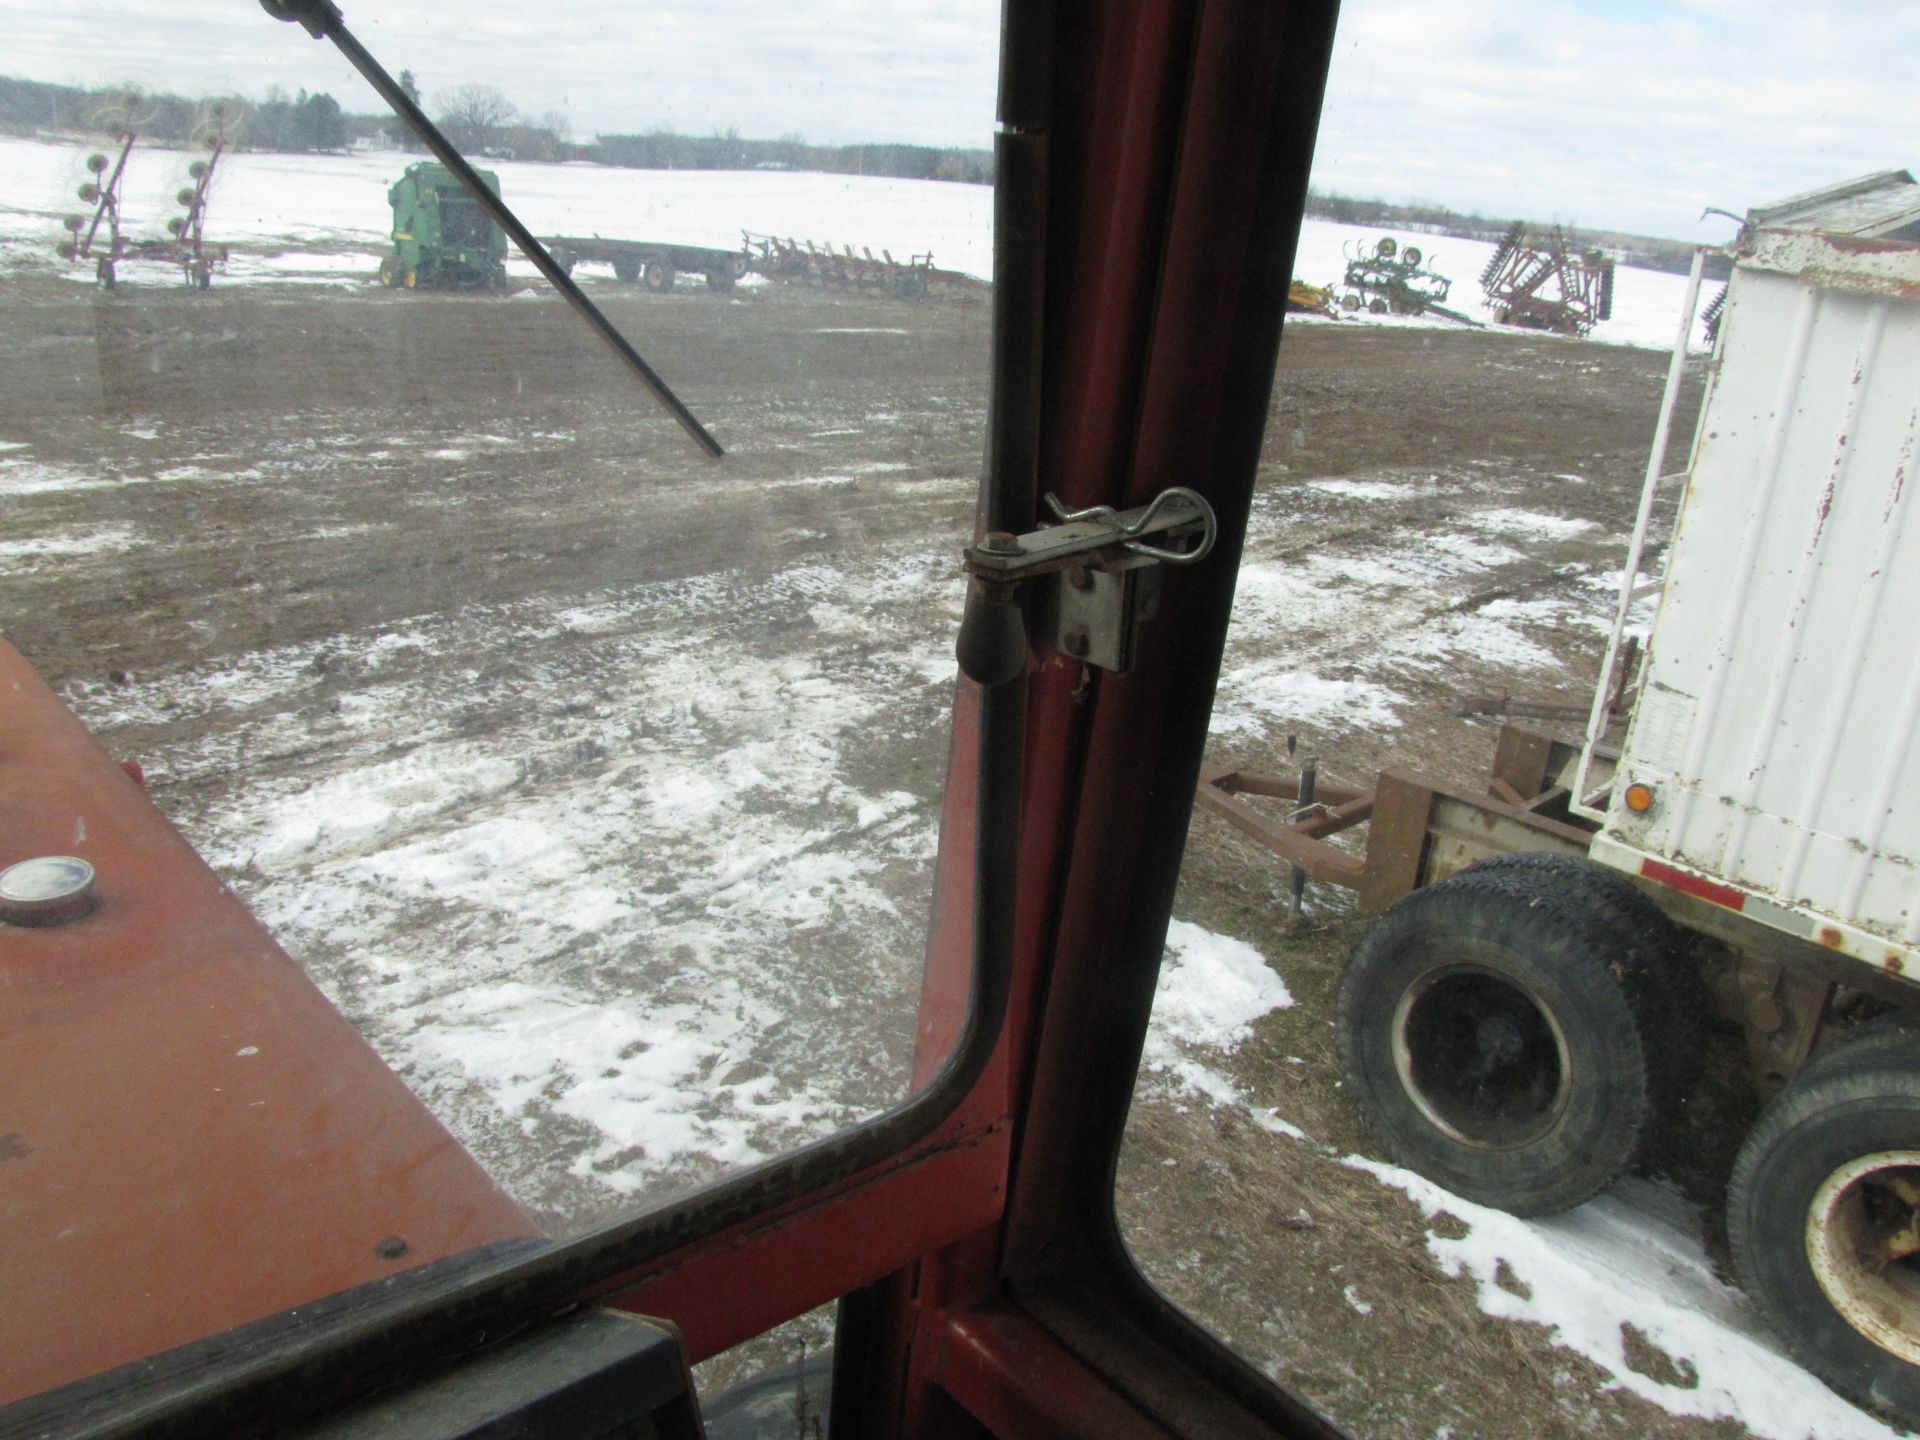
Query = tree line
x=666 y=149
x=480 y=120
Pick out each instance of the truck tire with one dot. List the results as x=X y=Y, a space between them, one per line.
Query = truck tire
x=1494 y=1041
x=720 y=279
x=1648 y=941
x=626 y=270
x=1825 y=1185
x=657 y=277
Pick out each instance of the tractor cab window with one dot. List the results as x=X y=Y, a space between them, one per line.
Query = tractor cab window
x=565 y=799
x=1476 y=1151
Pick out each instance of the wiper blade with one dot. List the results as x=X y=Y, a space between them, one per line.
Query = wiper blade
x=322 y=20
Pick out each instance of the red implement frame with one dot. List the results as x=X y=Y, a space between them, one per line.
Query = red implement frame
x=1418 y=832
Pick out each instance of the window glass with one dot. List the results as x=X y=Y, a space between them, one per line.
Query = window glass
x=1436 y=545
x=595 y=782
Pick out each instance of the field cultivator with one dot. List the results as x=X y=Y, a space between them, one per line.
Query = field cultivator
x=805 y=263
x=1536 y=281
x=99 y=237
x=1390 y=278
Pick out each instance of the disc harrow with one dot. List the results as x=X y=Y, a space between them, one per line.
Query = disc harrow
x=1537 y=281
x=1710 y=317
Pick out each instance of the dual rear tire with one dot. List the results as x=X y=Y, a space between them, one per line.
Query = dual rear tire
x=1515 y=1033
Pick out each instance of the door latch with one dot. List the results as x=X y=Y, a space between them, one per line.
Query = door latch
x=1103 y=572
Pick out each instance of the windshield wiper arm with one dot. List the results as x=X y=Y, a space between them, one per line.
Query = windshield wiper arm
x=323 y=21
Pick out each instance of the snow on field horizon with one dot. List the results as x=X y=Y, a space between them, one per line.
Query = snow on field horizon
x=324 y=219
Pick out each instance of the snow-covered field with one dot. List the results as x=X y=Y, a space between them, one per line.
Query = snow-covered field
x=326 y=217
x=322 y=219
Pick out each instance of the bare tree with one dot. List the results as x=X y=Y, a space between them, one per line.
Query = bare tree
x=473 y=115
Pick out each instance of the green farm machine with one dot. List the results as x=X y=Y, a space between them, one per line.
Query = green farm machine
x=441 y=237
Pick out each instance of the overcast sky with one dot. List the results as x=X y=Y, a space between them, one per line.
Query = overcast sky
x=1632 y=115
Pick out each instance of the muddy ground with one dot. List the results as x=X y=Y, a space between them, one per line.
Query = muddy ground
x=249 y=483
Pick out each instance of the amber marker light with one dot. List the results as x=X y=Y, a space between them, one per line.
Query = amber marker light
x=1639 y=798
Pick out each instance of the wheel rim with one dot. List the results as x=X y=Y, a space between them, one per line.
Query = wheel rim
x=1480 y=1058
x=1863 y=1241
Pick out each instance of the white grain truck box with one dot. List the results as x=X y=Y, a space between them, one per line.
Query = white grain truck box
x=1514 y=1028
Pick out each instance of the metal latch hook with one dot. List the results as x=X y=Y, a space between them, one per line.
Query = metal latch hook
x=1175 y=497
x=1101 y=565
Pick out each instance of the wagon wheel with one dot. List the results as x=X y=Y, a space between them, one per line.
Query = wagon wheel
x=1349 y=302
x=1412 y=256
x=1376 y=306
x=739 y=265
x=626 y=269
x=658 y=277
x=1652 y=948
x=1386 y=247
x=1496 y=1041
x=1824 y=1214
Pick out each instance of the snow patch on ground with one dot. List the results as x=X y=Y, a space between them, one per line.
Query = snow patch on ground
x=1364 y=489
x=50 y=547
x=28 y=477
x=1529 y=524
x=1633 y=1256
x=1257 y=699
x=1212 y=988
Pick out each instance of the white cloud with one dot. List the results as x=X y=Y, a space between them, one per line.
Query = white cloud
x=1632 y=115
